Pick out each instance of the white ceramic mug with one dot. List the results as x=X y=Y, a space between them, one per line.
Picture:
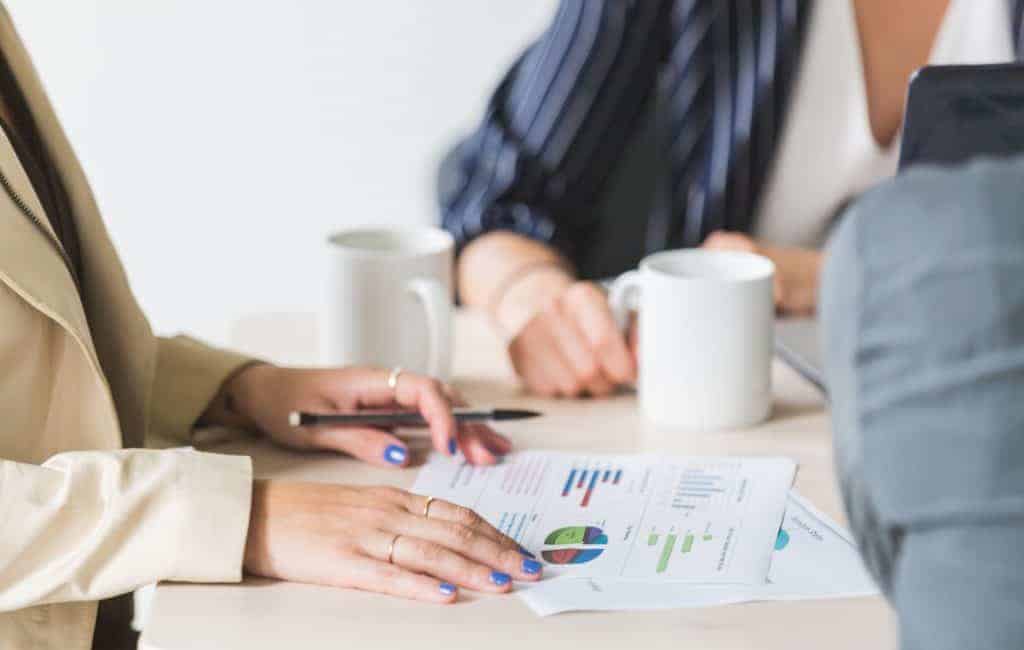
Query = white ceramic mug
x=706 y=330
x=389 y=299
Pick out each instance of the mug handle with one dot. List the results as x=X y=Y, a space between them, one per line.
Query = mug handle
x=622 y=297
x=437 y=306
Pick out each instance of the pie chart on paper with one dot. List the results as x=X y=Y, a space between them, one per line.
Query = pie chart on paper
x=574 y=545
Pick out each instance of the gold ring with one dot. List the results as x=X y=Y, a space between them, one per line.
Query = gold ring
x=393 y=376
x=391 y=549
x=426 y=507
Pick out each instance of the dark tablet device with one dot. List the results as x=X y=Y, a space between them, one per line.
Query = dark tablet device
x=957 y=112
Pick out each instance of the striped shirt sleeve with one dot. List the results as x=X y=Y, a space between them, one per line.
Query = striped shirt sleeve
x=557 y=124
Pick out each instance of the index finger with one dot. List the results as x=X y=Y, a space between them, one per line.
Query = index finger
x=428 y=397
x=447 y=511
x=594 y=318
x=424 y=394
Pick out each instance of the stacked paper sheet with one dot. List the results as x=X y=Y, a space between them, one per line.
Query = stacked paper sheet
x=646 y=531
x=814 y=558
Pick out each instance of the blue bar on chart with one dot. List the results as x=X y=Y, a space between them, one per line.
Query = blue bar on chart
x=568 y=483
x=696 y=484
x=587 y=480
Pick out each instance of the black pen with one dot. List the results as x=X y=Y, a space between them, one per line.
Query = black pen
x=402 y=418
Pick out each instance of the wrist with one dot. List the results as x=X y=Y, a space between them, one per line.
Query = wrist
x=254 y=557
x=528 y=294
x=242 y=393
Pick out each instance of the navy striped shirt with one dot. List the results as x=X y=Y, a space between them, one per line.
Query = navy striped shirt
x=560 y=120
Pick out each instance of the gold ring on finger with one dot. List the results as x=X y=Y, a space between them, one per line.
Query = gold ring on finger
x=391 y=549
x=426 y=507
x=393 y=376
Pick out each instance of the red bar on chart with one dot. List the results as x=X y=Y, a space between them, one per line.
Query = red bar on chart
x=590 y=490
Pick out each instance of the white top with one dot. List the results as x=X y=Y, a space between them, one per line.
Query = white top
x=828 y=153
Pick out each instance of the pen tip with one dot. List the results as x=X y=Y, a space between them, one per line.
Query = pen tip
x=515 y=414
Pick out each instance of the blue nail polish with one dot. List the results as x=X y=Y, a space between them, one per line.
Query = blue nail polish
x=395 y=454
x=531 y=567
x=523 y=551
x=499 y=578
x=453 y=446
x=447 y=588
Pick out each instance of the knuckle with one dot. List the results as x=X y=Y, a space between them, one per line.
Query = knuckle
x=550 y=307
x=467 y=517
x=460 y=535
x=544 y=390
x=376 y=517
x=572 y=388
x=386 y=492
x=600 y=389
x=429 y=553
x=590 y=372
x=435 y=389
x=582 y=292
x=510 y=558
x=607 y=339
x=388 y=572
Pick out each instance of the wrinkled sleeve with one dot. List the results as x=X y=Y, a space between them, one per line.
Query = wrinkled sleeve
x=94 y=524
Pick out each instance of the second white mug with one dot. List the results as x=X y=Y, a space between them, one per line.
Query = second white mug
x=389 y=299
x=706 y=337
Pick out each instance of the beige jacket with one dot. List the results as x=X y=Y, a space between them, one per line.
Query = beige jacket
x=80 y=518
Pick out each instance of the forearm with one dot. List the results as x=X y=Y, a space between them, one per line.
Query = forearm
x=91 y=525
x=509 y=275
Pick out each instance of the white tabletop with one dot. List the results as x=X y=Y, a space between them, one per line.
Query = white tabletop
x=260 y=614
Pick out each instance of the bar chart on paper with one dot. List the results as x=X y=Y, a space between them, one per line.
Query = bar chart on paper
x=684 y=543
x=633 y=517
x=581 y=482
x=704 y=486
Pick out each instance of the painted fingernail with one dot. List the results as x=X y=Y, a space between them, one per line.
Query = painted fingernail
x=447 y=589
x=395 y=454
x=523 y=551
x=499 y=578
x=453 y=446
x=531 y=567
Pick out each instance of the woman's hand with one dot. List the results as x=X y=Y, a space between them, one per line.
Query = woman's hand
x=797 y=270
x=571 y=346
x=342 y=536
x=265 y=395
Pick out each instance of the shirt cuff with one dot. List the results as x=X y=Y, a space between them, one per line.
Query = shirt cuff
x=215 y=493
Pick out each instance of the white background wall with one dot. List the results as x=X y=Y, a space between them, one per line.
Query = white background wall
x=225 y=138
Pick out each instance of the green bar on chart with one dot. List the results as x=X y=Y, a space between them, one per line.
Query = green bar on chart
x=707 y=538
x=652 y=539
x=688 y=543
x=666 y=553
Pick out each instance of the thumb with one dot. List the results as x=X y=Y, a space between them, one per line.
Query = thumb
x=370 y=445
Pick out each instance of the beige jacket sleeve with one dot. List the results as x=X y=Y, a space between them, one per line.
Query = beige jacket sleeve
x=90 y=525
x=86 y=525
x=188 y=376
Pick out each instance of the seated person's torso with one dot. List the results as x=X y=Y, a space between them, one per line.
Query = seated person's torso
x=841 y=133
